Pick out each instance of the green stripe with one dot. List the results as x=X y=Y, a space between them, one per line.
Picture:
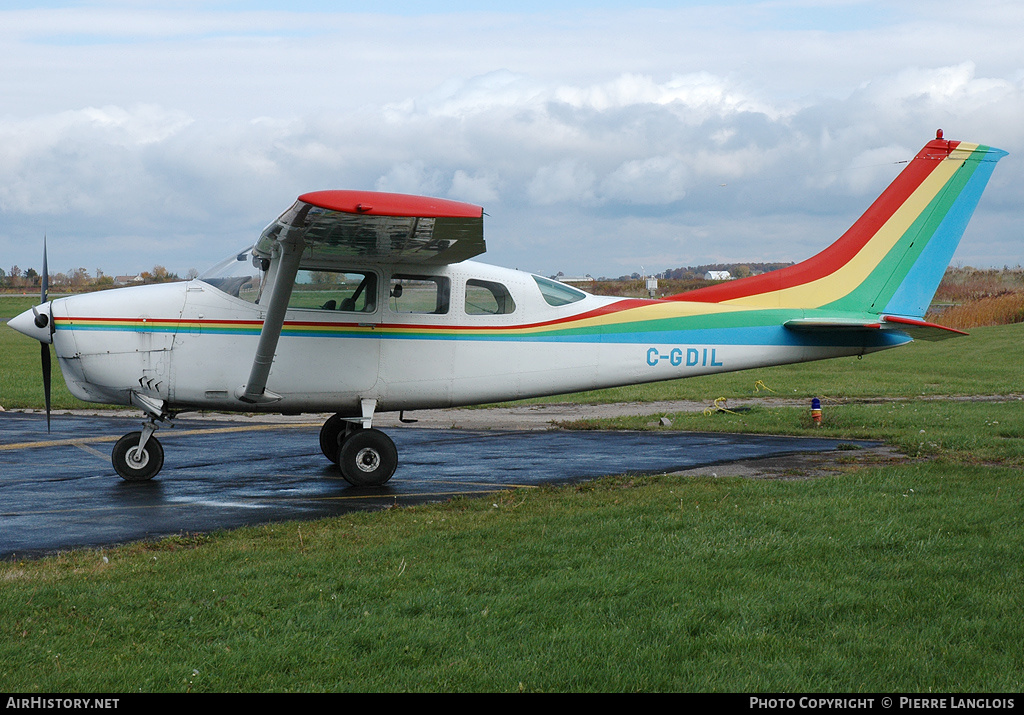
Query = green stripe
x=880 y=285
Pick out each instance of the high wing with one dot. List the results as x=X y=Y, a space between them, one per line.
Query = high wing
x=336 y=226
x=327 y=228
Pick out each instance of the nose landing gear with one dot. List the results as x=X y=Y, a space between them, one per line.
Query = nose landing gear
x=138 y=456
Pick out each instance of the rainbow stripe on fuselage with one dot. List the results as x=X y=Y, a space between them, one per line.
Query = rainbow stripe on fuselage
x=619 y=321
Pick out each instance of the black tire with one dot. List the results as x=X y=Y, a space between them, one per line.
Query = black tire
x=330 y=436
x=133 y=466
x=367 y=458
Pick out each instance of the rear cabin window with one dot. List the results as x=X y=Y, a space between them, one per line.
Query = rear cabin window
x=556 y=293
x=419 y=294
x=487 y=298
x=350 y=292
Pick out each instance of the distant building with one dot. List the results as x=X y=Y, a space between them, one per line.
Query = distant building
x=717 y=276
x=127 y=280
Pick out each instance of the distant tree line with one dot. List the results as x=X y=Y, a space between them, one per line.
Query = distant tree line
x=80 y=279
x=736 y=270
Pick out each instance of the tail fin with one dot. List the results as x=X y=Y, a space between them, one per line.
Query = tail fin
x=892 y=259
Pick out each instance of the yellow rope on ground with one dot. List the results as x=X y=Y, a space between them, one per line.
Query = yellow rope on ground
x=716 y=407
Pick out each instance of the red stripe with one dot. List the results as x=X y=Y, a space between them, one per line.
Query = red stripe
x=617 y=307
x=842 y=251
x=166 y=321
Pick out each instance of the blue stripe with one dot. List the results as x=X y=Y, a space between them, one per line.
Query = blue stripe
x=915 y=293
x=767 y=336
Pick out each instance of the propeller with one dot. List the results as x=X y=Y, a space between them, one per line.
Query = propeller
x=37 y=323
x=42 y=320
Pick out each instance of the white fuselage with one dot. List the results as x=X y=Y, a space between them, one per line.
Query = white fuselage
x=189 y=346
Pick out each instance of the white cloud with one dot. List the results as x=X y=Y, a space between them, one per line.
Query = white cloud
x=704 y=130
x=565 y=181
x=474 y=188
x=656 y=180
x=412 y=177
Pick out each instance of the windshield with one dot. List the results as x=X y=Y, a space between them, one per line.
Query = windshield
x=240 y=275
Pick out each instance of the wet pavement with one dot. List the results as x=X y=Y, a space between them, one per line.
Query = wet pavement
x=59 y=491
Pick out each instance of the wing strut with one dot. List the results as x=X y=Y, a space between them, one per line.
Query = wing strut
x=255 y=390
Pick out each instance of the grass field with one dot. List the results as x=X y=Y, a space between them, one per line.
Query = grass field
x=889 y=578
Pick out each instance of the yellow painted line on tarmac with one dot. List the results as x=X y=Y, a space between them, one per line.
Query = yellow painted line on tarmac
x=78 y=441
x=247 y=428
x=93 y=451
x=54 y=443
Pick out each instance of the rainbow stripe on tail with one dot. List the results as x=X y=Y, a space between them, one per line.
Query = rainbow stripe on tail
x=889 y=264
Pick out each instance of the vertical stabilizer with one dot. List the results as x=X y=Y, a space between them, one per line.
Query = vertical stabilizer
x=892 y=259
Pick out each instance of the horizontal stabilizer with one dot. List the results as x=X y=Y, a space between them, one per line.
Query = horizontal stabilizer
x=830 y=324
x=916 y=329
x=921 y=330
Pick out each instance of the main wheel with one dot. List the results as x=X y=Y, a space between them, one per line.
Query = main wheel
x=330 y=436
x=367 y=458
x=133 y=464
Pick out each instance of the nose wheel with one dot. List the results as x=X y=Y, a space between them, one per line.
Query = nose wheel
x=136 y=459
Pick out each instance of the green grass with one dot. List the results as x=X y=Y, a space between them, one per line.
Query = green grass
x=884 y=580
x=971 y=432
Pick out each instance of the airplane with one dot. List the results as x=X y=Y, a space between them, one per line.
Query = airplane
x=355 y=303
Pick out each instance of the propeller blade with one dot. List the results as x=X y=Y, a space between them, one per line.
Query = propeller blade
x=45 y=347
x=45 y=355
x=46 y=276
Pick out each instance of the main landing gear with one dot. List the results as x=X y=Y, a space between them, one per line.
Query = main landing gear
x=366 y=456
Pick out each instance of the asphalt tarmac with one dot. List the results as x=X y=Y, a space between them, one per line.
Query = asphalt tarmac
x=58 y=491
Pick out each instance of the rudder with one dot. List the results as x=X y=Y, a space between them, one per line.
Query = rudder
x=933 y=241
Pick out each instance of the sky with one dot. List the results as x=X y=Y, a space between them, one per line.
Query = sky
x=601 y=137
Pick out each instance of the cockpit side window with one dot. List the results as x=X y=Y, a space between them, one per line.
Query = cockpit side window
x=421 y=294
x=346 y=291
x=556 y=294
x=488 y=298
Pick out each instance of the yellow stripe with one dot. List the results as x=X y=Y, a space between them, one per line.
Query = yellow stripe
x=77 y=442
x=833 y=287
x=652 y=311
